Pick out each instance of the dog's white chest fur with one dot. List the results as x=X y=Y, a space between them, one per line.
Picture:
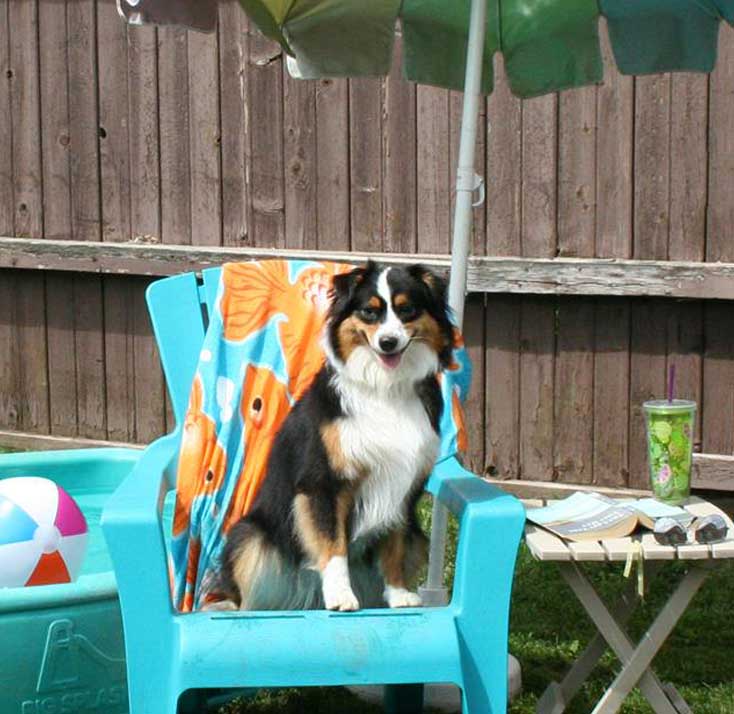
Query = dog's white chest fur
x=391 y=439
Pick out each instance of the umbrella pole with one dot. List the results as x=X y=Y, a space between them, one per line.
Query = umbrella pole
x=434 y=593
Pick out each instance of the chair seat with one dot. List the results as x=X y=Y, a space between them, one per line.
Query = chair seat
x=318 y=647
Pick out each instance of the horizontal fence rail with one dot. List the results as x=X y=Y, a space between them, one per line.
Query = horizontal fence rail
x=554 y=276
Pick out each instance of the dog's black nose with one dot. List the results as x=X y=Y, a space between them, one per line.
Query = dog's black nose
x=388 y=344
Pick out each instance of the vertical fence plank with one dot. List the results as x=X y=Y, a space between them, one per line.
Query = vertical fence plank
x=503 y=386
x=539 y=177
x=574 y=391
x=504 y=171
x=399 y=137
x=614 y=137
x=537 y=350
x=114 y=141
x=55 y=137
x=652 y=167
x=503 y=158
x=28 y=211
x=574 y=369
x=300 y=160
x=577 y=173
x=205 y=139
x=25 y=112
x=332 y=160
x=120 y=358
x=688 y=167
x=365 y=164
x=433 y=185
x=86 y=220
x=611 y=392
x=55 y=143
x=266 y=146
x=146 y=220
x=538 y=239
x=173 y=118
x=718 y=377
x=9 y=355
x=114 y=152
x=233 y=53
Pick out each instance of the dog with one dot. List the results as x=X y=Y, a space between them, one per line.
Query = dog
x=334 y=524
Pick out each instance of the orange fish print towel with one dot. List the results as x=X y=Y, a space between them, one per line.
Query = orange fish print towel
x=261 y=351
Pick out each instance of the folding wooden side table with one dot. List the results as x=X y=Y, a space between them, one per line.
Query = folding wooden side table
x=610 y=621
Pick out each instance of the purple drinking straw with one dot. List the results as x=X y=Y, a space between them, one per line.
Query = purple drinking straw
x=671 y=384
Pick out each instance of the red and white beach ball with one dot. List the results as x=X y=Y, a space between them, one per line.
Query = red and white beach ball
x=43 y=533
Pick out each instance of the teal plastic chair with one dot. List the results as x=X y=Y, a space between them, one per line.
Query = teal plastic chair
x=169 y=653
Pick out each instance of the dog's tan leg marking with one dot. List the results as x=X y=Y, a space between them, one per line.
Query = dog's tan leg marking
x=328 y=551
x=392 y=562
x=333 y=445
x=248 y=567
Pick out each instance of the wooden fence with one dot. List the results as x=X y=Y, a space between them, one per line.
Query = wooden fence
x=165 y=138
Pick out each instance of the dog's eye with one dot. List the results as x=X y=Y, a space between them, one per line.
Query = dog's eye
x=369 y=314
x=406 y=312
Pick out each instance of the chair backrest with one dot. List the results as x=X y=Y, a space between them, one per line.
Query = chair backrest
x=179 y=309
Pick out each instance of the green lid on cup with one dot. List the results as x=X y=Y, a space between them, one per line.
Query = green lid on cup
x=676 y=406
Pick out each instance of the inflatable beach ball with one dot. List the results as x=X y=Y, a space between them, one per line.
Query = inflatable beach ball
x=43 y=533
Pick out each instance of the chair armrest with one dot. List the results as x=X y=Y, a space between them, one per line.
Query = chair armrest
x=459 y=489
x=132 y=527
x=491 y=525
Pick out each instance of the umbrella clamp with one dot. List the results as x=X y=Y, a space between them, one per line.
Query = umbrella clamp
x=468 y=180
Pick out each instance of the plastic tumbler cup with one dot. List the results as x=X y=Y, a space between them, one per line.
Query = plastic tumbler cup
x=669 y=426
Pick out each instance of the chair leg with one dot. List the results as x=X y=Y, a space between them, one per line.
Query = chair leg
x=484 y=675
x=403 y=699
x=147 y=699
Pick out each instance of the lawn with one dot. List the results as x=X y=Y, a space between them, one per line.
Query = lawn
x=549 y=628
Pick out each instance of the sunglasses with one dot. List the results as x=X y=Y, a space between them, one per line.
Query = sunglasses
x=709 y=529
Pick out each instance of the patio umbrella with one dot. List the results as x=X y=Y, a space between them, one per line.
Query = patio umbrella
x=548 y=46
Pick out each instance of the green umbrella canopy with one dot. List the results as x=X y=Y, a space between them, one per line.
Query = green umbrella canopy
x=548 y=45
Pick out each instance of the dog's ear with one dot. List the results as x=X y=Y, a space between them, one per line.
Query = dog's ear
x=435 y=283
x=344 y=285
x=437 y=289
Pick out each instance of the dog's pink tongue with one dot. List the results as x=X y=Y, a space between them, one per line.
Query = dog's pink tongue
x=391 y=361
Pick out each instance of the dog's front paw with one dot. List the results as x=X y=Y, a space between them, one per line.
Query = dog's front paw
x=400 y=597
x=337 y=590
x=340 y=598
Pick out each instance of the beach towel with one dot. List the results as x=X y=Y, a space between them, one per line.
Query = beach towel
x=261 y=351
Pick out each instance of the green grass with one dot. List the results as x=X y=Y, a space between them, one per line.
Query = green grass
x=549 y=629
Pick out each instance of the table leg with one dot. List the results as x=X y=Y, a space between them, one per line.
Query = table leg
x=557 y=695
x=651 y=642
x=634 y=661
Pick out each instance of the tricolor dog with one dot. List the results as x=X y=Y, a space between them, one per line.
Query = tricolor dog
x=334 y=523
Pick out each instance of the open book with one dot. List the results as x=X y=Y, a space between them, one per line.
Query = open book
x=592 y=516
